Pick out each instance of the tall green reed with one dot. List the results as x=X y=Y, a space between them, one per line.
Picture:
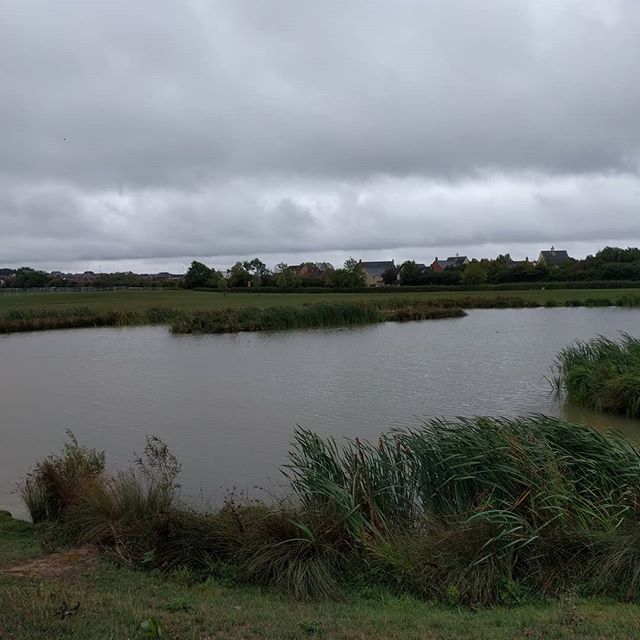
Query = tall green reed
x=601 y=373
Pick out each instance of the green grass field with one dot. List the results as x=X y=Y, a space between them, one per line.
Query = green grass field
x=204 y=300
x=114 y=602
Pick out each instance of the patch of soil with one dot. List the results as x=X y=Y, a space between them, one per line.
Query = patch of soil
x=66 y=564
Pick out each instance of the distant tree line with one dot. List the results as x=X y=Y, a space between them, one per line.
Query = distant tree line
x=254 y=273
x=28 y=278
x=608 y=265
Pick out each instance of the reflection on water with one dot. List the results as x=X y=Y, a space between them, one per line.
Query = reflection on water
x=227 y=405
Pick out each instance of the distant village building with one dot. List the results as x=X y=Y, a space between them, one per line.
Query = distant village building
x=452 y=262
x=311 y=270
x=514 y=264
x=373 y=271
x=7 y=272
x=553 y=257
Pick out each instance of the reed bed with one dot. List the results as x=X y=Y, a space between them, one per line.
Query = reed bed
x=601 y=373
x=76 y=317
x=478 y=506
x=472 y=511
x=309 y=316
x=229 y=320
x=276 y=318
x=389 y=308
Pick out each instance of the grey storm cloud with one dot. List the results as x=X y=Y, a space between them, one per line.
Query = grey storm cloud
x=201 y=128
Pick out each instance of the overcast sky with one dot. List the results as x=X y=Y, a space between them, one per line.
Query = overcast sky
x=143 y=134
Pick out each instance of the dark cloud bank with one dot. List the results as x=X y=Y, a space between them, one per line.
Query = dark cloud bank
x=146 y=133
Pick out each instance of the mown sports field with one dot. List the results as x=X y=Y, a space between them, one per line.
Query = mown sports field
x=183 y=300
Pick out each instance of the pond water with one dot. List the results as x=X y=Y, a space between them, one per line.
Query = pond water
x=227 y=405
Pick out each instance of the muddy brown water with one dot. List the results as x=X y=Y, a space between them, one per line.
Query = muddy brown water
x=228 y=404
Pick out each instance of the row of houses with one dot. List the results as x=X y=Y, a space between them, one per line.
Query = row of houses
x=374 y=271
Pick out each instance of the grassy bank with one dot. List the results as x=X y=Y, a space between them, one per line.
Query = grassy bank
x=601 y=374
x=115 y=601
x=182 y=300
x=472 y=513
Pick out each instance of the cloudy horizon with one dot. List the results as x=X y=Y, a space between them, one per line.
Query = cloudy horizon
x=144 y=135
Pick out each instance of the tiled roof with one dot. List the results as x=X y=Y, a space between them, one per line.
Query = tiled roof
x=554 y=258
x=452 y=261
x=376 y=268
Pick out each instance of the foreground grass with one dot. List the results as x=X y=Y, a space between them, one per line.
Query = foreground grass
x=601 y=374
x=181 y=300
x=115 y=601
x=17 y=541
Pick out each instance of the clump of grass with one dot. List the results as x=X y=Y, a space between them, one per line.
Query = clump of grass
x=601 y=373
x=298 y=552
x=280 y=546
x=400 y=310
x=598 y=302
x=124 y=510
x=160 y=315
x=628 y=301
x=40 y=314
x=441 y=562
x=57 y=482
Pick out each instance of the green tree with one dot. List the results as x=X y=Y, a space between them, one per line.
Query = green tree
x=390 y=275
x=258 y=269
x=198 y=275
x=410 y=273
x=540 y=272
x=286 y=277
x=498 y=269
x=473 y=274
x=350 y=276
x=26 y=278
x=239 y=276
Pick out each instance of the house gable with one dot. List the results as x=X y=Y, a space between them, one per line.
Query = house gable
x=450 y=263
x=373 y=271
x=554 y=257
